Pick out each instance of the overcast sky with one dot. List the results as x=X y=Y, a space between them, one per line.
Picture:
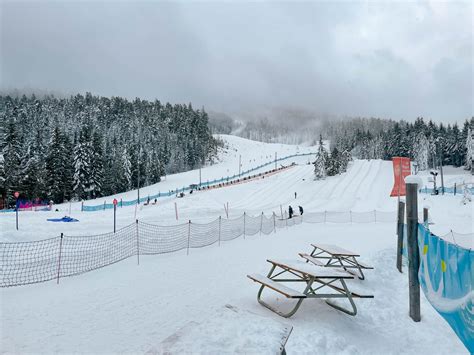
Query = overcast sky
x=385 y=59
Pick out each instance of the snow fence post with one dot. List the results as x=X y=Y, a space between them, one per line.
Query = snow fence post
x=244 y=225
x=189 y=235
x=219 y=231
x=138 y=245
x=274 y=223
x=425 y=216
x=400 y=223
x=59 y=258
x=413 y=251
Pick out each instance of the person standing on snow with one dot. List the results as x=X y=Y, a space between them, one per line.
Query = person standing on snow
x=290 y=211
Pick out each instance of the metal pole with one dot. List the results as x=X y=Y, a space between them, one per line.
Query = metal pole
x=274 y=222
x=16 y=213
x=59 y=259
x=189 y=235
x=400 y=225
x=115 y=213
x=220 y=230
x=138 y=245
x=413 y=251
x=442 y=175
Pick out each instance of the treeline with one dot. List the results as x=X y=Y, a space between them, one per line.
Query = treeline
x=88 y=146
x=427 y=143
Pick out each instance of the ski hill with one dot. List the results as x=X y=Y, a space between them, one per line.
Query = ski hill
x=130 y=308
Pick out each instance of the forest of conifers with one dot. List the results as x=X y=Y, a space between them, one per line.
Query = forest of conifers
x=88 y=146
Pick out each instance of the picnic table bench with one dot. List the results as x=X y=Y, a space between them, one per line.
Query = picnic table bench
x=316 y=279
x=334 y=256
x=229 y=330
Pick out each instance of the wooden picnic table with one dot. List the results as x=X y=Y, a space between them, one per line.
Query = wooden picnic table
x=318 y=281
x=328 y=255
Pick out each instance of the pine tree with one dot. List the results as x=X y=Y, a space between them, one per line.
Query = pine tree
x=470 y=149
x=83 y=159
x=12 y=155
x=97 y=166
x=320 y=163
x=421 y=150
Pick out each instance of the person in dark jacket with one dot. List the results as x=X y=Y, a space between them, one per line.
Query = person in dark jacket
x=301 y=210
x=290 y=211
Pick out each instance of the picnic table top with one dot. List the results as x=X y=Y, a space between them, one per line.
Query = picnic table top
x=229 y=330
x=335 y=250
x=315 y=271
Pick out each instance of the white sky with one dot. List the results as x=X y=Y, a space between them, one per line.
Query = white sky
x=388 y=59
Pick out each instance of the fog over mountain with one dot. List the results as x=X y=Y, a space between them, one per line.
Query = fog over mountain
x=396 y=60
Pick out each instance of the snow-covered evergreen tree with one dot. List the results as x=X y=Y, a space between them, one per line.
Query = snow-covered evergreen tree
x=83 y=170
x=420 y=151
x=12 y=155
x=320 y=162
x=469 y=149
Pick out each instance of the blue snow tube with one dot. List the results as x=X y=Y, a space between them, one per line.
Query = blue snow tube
x=64 y=219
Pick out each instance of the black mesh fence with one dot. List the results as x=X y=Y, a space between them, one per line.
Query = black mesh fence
x=38 y=261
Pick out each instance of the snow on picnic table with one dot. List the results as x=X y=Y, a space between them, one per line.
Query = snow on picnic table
x=129 y=308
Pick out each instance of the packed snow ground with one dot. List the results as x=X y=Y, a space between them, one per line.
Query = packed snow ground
x=130 y=308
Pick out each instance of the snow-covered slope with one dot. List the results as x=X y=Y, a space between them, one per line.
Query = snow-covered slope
x=132 y=309
x=364 y=187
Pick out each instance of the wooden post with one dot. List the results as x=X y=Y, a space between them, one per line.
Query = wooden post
x=189 y=235
x=413 y=251
x=138 y=245
x=220 y=230
x=454 y=189
x=59 y=259
x=82 y=206
x=400 y=225
x=425 y=216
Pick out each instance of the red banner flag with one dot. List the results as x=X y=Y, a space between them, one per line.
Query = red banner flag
x=401 y=169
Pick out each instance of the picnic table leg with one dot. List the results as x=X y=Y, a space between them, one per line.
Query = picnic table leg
x=361 y=277
x=349 y=297
x=295 y=308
